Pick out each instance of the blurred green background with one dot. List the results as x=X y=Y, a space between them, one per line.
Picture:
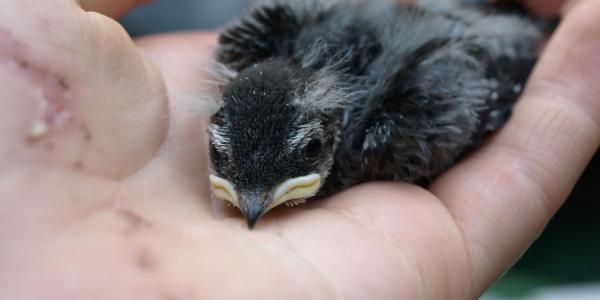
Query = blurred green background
x=567 y=254
x=564 y=263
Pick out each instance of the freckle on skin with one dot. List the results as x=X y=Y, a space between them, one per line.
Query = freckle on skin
x=145 y=261
x=49 y=146
x=168 y=297
x=30 y=141
x=78 y=165
x=63 y=84
x=87 y=134
x=44 y=22
x=23 y=64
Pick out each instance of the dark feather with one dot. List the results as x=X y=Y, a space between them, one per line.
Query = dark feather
x=422 y=87
x=265 y=32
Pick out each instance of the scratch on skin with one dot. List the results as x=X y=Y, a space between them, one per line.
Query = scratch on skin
x=133 y=221
x=86 y=133
x=51 y=91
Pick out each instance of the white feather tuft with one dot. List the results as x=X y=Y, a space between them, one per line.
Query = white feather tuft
x=325 y=93
x=298 y=138
x=219 y=137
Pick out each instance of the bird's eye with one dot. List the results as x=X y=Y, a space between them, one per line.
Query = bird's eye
x=313 y=148
x=214 y=153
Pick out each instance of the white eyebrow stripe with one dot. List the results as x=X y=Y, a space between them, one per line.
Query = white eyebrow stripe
x=298 y=137
x=220 y=137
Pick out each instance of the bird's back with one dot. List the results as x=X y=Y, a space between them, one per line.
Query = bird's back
x=429 y=83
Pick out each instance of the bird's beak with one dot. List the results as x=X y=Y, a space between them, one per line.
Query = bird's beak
x=255 y=206
x=294 y=189
x=224 y=190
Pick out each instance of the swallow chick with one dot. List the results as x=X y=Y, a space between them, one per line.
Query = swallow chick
x=330 y=94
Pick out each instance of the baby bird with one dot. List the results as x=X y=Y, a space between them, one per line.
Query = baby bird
x=330 y=94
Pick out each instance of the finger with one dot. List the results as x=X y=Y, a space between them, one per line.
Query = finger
x=111 y=8
x=551 y=8
x=548 y=8
x=503 y=195
x=87 y=99
x=185 y=60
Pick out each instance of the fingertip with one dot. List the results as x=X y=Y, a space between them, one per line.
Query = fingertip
x=568 y=67
x=111 y=8
x=548 y=8
x=507 y=191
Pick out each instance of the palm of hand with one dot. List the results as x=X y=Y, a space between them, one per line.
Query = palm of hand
x=117 y=197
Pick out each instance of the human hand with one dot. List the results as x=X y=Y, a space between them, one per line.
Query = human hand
x=112 y=201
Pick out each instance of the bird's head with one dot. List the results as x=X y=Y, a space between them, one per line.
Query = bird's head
x=273 y=140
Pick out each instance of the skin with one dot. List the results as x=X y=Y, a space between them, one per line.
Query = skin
x=114 y=204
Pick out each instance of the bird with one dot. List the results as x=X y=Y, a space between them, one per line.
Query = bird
x=323 y=95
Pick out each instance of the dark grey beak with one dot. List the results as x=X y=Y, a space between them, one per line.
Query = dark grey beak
x=254 y=204
x=252 y=217
x=253 y=208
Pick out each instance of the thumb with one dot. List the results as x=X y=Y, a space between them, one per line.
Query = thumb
x=111 y=8
x=80 y=92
